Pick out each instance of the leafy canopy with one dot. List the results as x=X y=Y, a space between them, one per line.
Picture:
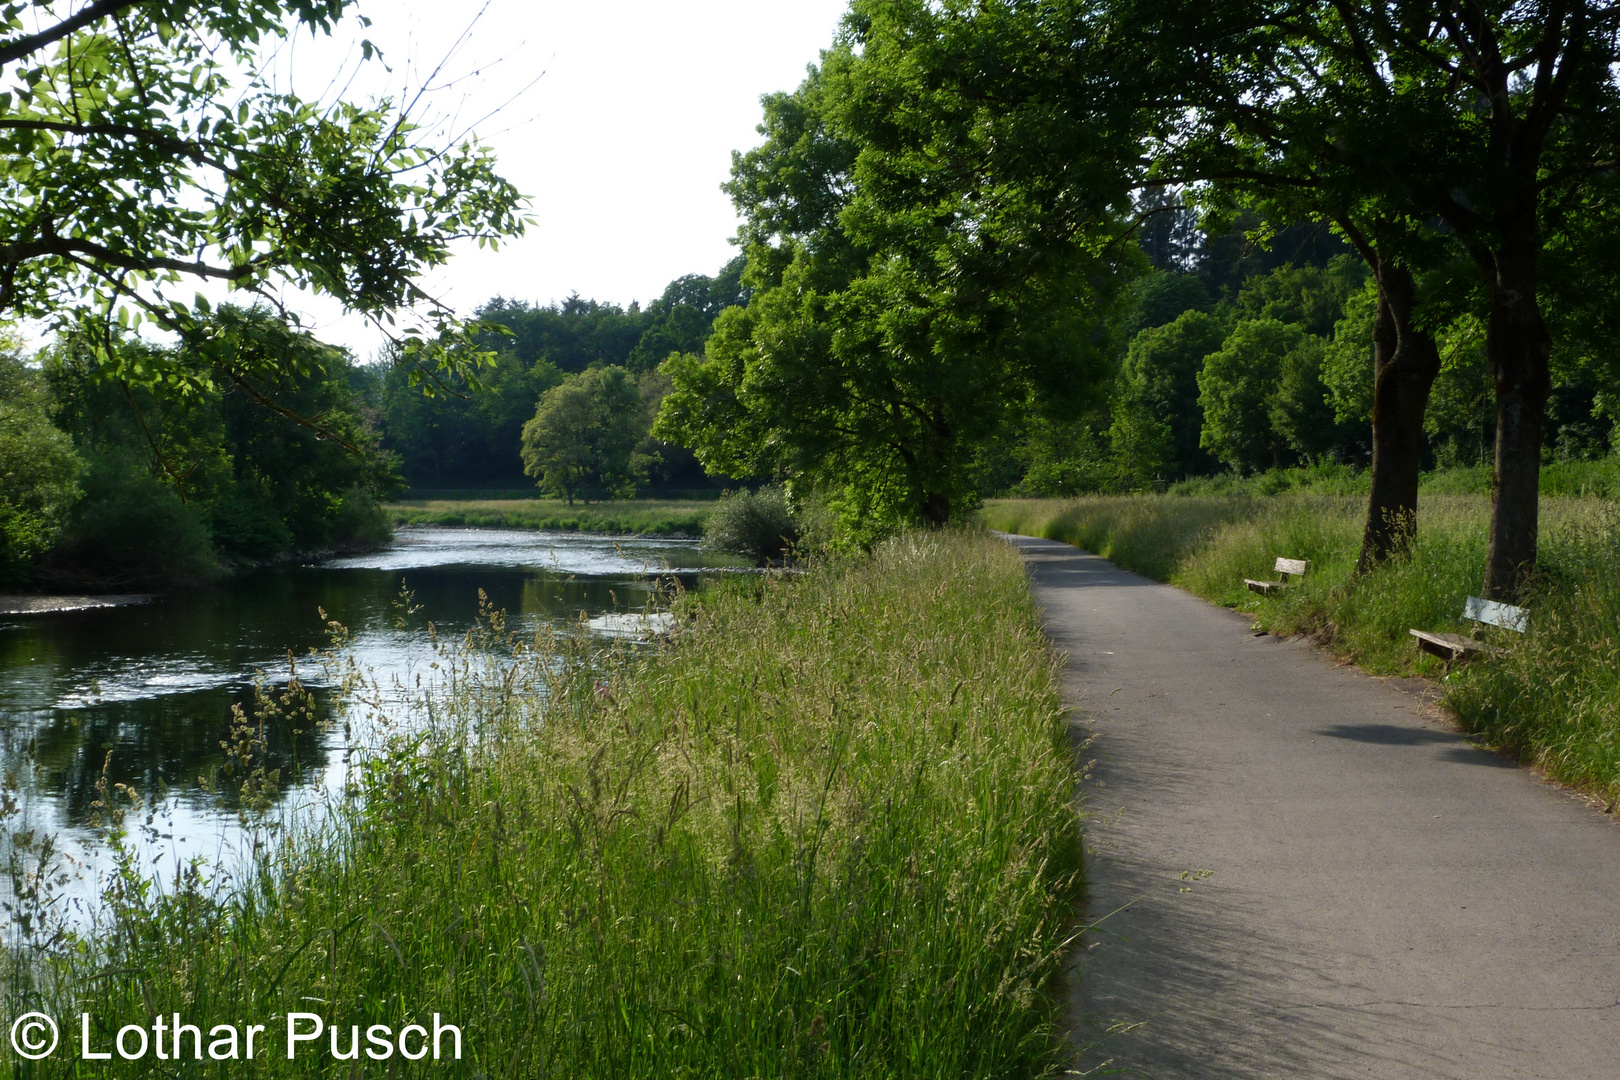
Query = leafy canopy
x=145 y=150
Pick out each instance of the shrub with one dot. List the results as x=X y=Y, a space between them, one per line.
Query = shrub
x=758 y=525
x=361 y=524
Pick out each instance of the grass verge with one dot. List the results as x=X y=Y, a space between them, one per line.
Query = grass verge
x=1551 y=697
x=829 y=831
x=648 y=517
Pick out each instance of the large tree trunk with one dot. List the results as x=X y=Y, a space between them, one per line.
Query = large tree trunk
x=1517 y=346
x=1406 y=361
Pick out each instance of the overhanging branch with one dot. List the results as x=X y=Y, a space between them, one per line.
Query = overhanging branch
x=26 y=46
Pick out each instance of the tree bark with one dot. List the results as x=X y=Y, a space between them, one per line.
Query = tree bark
x=1406 y=361
x=1518 y=347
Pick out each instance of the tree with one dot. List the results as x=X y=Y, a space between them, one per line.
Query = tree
x=39 y=471
x=1301 y=413
x=1524 y=104
x=1348 y=368
x=1161 y=297
x=471 y=436
x=1199 y=98
x=681 y=320
x=140 y=163
x=1169 y=234
x=913 y=287
x=1462 y=411
x=1236 y=389
x=1158 y=385
x=1276 y=122
x=1143 y=444
x=1310 y=297
x=1580 y=276
x=584 y=435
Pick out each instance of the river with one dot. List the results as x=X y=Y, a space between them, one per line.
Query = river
x=144 y=693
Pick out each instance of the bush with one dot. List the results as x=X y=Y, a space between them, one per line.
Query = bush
x=758 y=525
x=361 y=524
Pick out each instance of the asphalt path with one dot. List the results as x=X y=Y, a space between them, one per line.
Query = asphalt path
x=1302 y=871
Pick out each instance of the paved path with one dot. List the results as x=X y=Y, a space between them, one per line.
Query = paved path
x=1385 y=901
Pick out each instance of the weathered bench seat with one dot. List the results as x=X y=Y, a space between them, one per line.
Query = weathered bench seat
x=1450 y=647
x=1454 y=647
x=1285 y=568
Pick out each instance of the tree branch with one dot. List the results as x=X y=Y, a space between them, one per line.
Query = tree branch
x=68 y=247
x=26 y=46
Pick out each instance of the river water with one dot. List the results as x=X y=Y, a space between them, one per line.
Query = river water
x=143 y=694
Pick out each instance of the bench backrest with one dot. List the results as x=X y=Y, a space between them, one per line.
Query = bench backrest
x=1493 y=614
x=1295 y=567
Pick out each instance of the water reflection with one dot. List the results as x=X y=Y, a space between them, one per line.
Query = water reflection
x=146 y=692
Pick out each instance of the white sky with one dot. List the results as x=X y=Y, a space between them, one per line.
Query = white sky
x=622 y=144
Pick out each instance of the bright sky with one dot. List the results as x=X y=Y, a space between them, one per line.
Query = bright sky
x=622 y=143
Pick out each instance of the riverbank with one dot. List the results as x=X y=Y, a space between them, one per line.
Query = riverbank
x=47 y=604
x=63 y=585
x=829 y=829
x=628 y=517
x=1550 y=698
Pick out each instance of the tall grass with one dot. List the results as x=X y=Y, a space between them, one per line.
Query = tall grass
x=1555 y=698
x=651 y=517
x=828 y=831
x=1150 y=534
x=1552 y=697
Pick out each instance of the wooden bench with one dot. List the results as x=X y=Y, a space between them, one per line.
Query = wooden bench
x=1454 y=647
x=1285 y=569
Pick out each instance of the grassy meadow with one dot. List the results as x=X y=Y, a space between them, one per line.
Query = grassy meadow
x=1552 y=697
x=650 y=517
x=828 y=830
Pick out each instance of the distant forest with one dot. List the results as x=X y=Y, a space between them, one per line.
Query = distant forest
x=1230 y=358
x=469 y=438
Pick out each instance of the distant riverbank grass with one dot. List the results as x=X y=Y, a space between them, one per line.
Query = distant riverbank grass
x=651 y=517
x=829 y=831
x=1552 y=697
